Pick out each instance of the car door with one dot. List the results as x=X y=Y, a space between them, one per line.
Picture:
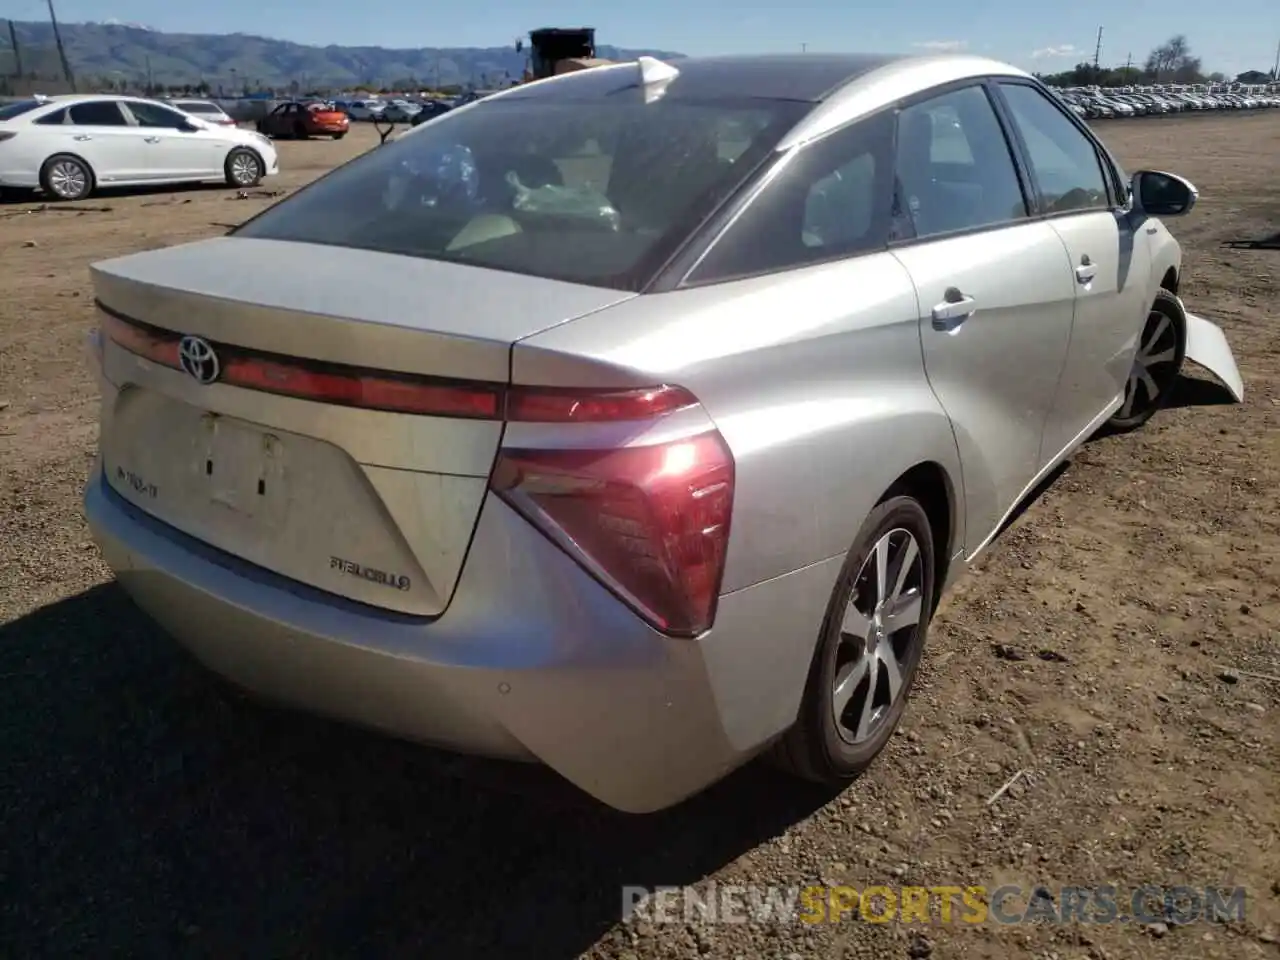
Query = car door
x=275 y=122
x=100 y=133
x=995 y=293
x=1076 y=190
x=177 y=150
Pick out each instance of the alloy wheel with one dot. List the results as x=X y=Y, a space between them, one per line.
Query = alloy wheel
x=244 y=169
x=68 y=179
x=879 y=634
x=1155 y=365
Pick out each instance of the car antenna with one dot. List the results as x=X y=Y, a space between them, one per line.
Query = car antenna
x=654 y=77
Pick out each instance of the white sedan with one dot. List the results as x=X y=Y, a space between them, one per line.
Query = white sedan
x=68 y=146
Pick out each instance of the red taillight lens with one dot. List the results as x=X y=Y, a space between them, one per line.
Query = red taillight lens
x=551 y=405
x=344 y=386
x=650 y=522
x=157 y=347
x=374 y=392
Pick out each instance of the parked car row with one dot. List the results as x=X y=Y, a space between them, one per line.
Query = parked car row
x=414 y=110
x=1105 y=103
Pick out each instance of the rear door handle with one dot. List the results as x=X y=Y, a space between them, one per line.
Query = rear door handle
x=954 y=310
x=1086 y=272
x=82 y=137
x=151 y=139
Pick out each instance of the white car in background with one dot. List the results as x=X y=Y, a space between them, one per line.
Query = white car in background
x=205 y=110
x=364 y=109
x=70 y=145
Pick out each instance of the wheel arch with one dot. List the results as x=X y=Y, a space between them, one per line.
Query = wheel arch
x=248 y=149
x=929 y=483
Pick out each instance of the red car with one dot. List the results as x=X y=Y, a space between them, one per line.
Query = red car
x=302 y=120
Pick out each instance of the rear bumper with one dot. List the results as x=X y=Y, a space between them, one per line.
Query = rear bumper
x=533 y=659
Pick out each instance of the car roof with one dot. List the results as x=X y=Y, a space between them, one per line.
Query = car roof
x=808 y=77
x=66 y=98
x=840 y=87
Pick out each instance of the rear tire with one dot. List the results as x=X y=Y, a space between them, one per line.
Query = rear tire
x=338 y=136
x=66 y=177
x=243 y=168
x=300 y=131
x=1157 y=363
x=855 y=696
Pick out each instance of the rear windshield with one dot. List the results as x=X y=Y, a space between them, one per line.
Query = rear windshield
x=10 y=110
x=596 y=192
x=195 y=106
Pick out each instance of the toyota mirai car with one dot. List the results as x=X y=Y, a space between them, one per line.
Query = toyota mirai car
x=671 y=400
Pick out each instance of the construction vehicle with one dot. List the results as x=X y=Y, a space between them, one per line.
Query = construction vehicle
x=557 y=50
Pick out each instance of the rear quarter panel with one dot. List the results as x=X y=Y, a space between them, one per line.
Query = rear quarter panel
x=814 y=377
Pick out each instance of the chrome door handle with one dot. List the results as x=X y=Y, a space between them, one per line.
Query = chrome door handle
x=82 y=137
x=151 y=139
x=954 y=310
x=1086 y=272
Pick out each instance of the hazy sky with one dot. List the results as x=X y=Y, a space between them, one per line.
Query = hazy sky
x=1229 y=37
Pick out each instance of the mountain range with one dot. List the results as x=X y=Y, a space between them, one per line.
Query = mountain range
x=114 y=54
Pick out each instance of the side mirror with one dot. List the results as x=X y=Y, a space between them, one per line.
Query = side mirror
x=1162 y=194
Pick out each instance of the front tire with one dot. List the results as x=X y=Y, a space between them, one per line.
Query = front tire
x=243 y=168
x=870 y=648
x=1157 y=363
x=66 y=177
x=338 y=136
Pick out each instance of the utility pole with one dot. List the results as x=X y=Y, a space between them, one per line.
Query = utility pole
x=62 y=51
x=804 y=48
x=17 y=51
x=1097 y=51
x=1128 y=65
x=1275 y=71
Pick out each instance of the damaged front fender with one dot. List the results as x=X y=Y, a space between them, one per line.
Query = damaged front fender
x=1207 y=345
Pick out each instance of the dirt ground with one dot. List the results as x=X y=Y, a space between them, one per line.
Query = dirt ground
x=1115 y=643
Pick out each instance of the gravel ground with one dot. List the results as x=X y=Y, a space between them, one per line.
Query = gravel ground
x=1113 y=645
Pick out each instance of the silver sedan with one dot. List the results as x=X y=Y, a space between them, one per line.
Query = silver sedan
x=634 y=421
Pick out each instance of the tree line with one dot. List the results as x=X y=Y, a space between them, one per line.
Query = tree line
x=1170 y=62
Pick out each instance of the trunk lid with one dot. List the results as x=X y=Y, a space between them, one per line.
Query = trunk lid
x=372 y=505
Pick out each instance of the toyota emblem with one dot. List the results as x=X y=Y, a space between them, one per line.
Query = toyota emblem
x=198 y=359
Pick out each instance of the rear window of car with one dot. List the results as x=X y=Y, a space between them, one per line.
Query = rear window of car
x=599 y=192
x=17 y=109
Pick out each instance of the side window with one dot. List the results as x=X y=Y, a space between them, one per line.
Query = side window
x=1063 y=159
x=838 y=208
x=97 y=113
x=53 y=119
x=831 y=200
x=953 y=169
x=153 y=115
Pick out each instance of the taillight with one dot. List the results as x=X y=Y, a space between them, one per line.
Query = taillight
x=553 y=405
x=324 y=383
x=368 y=390
x=156 y=346
x=650 y=522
